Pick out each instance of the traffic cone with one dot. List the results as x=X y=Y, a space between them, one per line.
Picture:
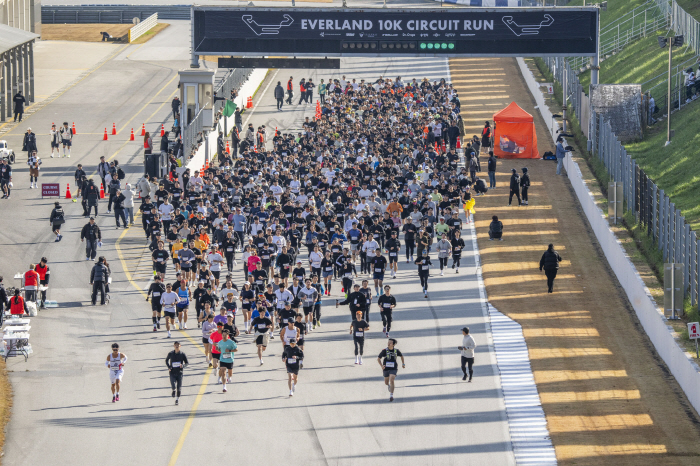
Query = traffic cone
x=436 y=147
x=143 y=129
x=206 y=165
x=162 y=130
x=105 y=138
x=74 y=131
x=444 y=149
x=249 y=103
x=459 y=144
x=114 y=129
x=68 y=195
x=228 y=149
x=131 y=138
x=102 y=191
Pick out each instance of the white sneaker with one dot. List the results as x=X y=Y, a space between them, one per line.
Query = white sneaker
x=291 y=392
x=185 y=325
x=68 y=156
x=31 y=185
x=228 y=379
x=52 y=155
x=168 y=333
x=261 y=362
x=442 y=273
x=360 y=360
x=294 y=387
x=357 y=360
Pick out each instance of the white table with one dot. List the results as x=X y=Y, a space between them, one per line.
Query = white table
x=11 y=341
x=10 y=321
x=16 y=329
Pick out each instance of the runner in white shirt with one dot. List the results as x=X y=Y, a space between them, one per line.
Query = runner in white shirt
x=215 y=262
x=169 y=300
x=115 y=363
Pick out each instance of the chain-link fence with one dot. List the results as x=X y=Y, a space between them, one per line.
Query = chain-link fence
x=650 y=205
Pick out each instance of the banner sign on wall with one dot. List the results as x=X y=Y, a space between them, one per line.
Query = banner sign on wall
x=374 y=32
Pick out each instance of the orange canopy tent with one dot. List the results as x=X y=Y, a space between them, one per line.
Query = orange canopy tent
x=515 y=136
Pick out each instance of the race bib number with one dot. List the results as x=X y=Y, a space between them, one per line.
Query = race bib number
x=160 y=259
x=262 y=326
x=378 y=270
x=387 y=305
x=292 y=360
x=229 y=249
x=359 y=334
x=390 y=364
x=329 y=269
x=176 y=365
x=393 y=254
x=226 y=355
x=156 y=294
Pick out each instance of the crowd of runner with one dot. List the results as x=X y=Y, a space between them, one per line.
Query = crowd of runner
x=332 y=210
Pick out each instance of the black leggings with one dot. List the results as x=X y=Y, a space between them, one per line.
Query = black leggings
x=317 y=312
x=410 y=249
x=470 y=363
x=176 y=381
x=359 y=342
x=230 y=257
x=456 y=259
x=443 y=262
x=387 y=318
x=551 y=275
x=515 y=192
x=424 y=280
x=525 y=188
x=347 y=285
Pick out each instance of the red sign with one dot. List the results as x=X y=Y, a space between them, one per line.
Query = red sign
x=693 y=330
x=50 y=189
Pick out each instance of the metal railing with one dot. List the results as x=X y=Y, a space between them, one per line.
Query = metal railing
x=112 y=14
x=651 y=206
x=621 y=33
x=193 y=135
x=683 y=23
x=143 y=27
x=233 y=79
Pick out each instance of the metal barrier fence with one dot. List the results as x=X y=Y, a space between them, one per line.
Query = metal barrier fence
x=192 y=135
x=112 y=14
x=652 y=207
x=143 y=27
x=685 y=24
x=631 y=27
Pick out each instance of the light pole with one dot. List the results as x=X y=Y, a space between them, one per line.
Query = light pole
x=676 y=41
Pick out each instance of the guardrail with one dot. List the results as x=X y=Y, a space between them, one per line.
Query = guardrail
x=111 y=14
x=143 y=27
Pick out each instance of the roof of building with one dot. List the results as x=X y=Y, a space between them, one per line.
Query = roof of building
x=12 y=37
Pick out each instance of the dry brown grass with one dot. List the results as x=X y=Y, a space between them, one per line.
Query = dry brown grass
x=607 y=396
x=82 y=32
x=5 y=403
x=91 y=32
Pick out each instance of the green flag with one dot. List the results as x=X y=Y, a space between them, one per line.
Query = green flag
x=229 y=108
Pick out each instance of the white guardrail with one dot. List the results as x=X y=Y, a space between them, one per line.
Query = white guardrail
x=143 y=27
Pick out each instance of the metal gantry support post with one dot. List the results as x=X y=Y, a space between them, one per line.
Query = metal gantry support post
x=194 y=59
x=31 y=71
x=3 y=87
x=595 y=60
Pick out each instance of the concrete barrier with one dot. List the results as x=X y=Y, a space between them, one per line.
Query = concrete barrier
x=662 y=336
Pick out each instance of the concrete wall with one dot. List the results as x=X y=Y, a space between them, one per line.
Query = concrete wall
x=662 y=336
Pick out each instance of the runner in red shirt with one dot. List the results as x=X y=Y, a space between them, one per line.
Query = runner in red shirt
x=214 y=338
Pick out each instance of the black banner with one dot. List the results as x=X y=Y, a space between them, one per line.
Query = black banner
x=454 y=31
x=293 y=63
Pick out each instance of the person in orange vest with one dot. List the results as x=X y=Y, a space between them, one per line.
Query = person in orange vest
x=302 y=90
x=17 y=304
x=42 y=268
x=31 y=283
x=290 y=90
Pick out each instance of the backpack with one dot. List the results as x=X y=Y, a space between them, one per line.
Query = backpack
x=120 y=174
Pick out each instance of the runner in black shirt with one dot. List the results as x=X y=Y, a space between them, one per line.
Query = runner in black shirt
x=292 y=357
x=387 y=303
x=457 y=247
x=358 y=328
x=155 y=291
x=424 y=264
x=388 y=360
x=176 y=361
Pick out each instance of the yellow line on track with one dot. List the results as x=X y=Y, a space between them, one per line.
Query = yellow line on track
x=202 y=387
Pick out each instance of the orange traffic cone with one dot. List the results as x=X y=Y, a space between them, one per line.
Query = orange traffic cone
x=102 y=191
x=143 y=129
x=249 y=103
x=444 y=149
x=206 y=165
x=68 y=195
x=459 y=144
x=131 y=138
x=228 y=149
x=114 y=129
x=436 y=147
x=162 y=130
x=74 y=131
x=105 y=138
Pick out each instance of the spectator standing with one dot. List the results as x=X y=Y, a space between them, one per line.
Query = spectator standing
x=492 y=163
x=514 y=187
x=92 y=195
x=175 y=105
x=561 y=153
x=279 y=95
x=119 y=208
x=19 y=102
x=310 y=91
x=29 y=143
x=66 y=138
x=92 y=236
x=99 y=276
x=147 y=144
x=238 y=119
x=525 y=185
x=495 y=229
x=302 y=91
x=129 y=203
x=144 y=187
x=486 y=136
x=164 y=144
x=550 y=263
x=102 y=170
x=290 y=90
x=322 y=92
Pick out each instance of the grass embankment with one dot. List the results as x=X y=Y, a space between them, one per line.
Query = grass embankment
x=92 y=32
x=692 y=7
x=638 y=63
